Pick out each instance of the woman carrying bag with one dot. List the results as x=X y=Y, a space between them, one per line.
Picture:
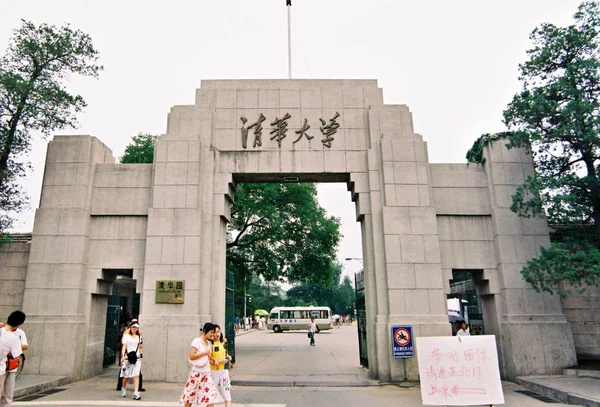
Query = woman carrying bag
x=131 y=361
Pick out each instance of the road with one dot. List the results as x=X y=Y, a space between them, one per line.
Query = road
x=278 y=370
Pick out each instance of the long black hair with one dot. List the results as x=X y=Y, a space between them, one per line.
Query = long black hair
x=208 y=327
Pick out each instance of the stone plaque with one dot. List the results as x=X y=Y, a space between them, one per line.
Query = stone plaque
x=169 y=291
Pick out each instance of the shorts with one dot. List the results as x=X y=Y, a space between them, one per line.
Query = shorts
x=221 y=379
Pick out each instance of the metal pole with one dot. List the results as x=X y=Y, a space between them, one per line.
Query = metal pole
x=289 y=10
x=244 y=303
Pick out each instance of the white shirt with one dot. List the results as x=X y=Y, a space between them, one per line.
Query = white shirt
x=132 y=343
x=200 y=364
x=9 y=343
x=463 y=333
x=22 y=337
x=312 y=326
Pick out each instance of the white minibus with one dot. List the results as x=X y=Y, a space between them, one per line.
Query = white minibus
x=288 y=318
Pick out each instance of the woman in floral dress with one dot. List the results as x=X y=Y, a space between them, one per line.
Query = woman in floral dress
x=200 y=388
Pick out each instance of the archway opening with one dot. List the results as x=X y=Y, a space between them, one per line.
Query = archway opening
x=281 y=307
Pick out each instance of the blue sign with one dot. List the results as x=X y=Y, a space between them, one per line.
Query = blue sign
x=402 y=342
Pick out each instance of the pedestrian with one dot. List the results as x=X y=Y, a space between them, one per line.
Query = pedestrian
x=246 y=323
x=220 y=375
x=237 y=323
x=312 y=328
x=10 y=347
x=200 y=388
x=131 y=360
x=463 y=331
x=126 y=330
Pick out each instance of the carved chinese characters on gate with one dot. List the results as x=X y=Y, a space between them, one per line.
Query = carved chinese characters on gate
x=280 y=127
x=257 y=131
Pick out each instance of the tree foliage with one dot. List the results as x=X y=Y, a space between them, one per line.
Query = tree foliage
x=33 y=96
x=140 y=150
x=340 y=297
x=557 y=114
x=280 y=233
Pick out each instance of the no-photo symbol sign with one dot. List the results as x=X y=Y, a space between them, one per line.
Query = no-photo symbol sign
x=402 y=342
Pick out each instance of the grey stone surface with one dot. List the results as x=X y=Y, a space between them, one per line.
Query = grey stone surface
x=167 y=220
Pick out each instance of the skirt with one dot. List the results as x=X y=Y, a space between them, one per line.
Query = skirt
x=131 y=370
x=200 y=390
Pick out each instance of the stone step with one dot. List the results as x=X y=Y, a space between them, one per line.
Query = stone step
x=594 y=374
x=583 y=391
x=31 y=384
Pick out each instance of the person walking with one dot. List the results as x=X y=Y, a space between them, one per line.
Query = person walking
x=220 y=358
x=10 y=346
x=131 y=360
x=200 y=388
x=312 y=328
x=246 y=323
x=123 y=332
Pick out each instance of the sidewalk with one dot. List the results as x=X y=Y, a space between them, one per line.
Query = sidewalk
x=578 y=387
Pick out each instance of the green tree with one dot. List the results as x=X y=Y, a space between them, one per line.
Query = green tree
x=339 y=296
x=33 y=97
x=140 y=150
x=280 y=233
x=558 y=114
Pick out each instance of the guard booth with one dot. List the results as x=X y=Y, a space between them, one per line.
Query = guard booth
x=361 y=317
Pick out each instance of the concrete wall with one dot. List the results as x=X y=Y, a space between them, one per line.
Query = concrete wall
x=13 y=272
x=583 y=313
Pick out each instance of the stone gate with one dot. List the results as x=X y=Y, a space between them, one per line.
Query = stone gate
x=167 y=221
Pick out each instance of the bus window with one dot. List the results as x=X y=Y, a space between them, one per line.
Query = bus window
x=274 y=315
x=298 y=314
x=286 y=314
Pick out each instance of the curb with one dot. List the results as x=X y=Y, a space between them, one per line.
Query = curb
x=301 y=383
x=39 y=387
x=562 y=396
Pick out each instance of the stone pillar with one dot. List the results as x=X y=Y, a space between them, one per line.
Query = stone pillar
x=54 y=299
x=412 y=284
x=178 y=236
x=535 y=337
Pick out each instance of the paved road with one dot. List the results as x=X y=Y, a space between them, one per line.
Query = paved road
x=266 y=356
x=284 y=357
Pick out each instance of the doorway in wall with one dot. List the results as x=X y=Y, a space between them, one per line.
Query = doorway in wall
x=464 y=302
x=123 y=304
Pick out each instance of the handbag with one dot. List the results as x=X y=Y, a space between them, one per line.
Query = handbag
x=132 y=356
x=11 y=363
x=309 y=335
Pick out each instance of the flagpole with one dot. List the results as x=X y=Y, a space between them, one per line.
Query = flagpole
x=289 y=14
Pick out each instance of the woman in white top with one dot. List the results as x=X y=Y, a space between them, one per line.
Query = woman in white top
x=463 y=331
x=200 y=388
x=132 y=342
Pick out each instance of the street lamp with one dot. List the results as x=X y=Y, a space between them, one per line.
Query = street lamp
x=355 y=258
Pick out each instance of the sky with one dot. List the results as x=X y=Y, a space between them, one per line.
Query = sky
x=455 y=64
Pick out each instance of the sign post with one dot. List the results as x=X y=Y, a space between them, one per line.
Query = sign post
x=403 y=347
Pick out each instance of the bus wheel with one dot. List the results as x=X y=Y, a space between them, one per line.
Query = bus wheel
x=276 y=329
